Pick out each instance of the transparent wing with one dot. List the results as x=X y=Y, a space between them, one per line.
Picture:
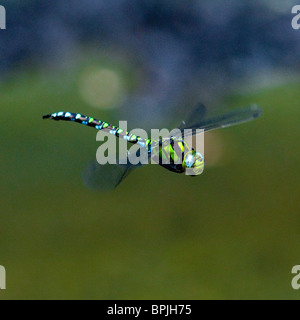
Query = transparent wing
x=108 y=176
x=197 y=115
x=228 y=119
x=198 y=119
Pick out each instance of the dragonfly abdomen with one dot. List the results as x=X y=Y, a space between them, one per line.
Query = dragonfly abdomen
x=99 y=125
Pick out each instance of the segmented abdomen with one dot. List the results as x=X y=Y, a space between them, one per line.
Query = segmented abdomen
x=99 y=125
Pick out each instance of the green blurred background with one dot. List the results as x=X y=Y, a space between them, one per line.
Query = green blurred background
x=232 y=233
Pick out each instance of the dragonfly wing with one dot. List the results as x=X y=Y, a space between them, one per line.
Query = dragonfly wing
x=109 y=176
x=197 y=115
x=200 y=120
x=228 y=119
x=106 y=177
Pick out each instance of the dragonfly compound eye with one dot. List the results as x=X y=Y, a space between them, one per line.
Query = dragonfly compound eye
x=189 y=160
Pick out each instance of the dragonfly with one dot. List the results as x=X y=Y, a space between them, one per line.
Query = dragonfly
x=164 y=151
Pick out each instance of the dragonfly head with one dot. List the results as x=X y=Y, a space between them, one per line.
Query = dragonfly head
x=194 y=161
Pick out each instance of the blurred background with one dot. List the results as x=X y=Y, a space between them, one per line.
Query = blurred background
x=232 y=233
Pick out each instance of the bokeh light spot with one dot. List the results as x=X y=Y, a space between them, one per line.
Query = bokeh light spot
x=101 y=88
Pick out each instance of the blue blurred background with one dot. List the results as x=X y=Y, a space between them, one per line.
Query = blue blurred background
x=232 y=233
